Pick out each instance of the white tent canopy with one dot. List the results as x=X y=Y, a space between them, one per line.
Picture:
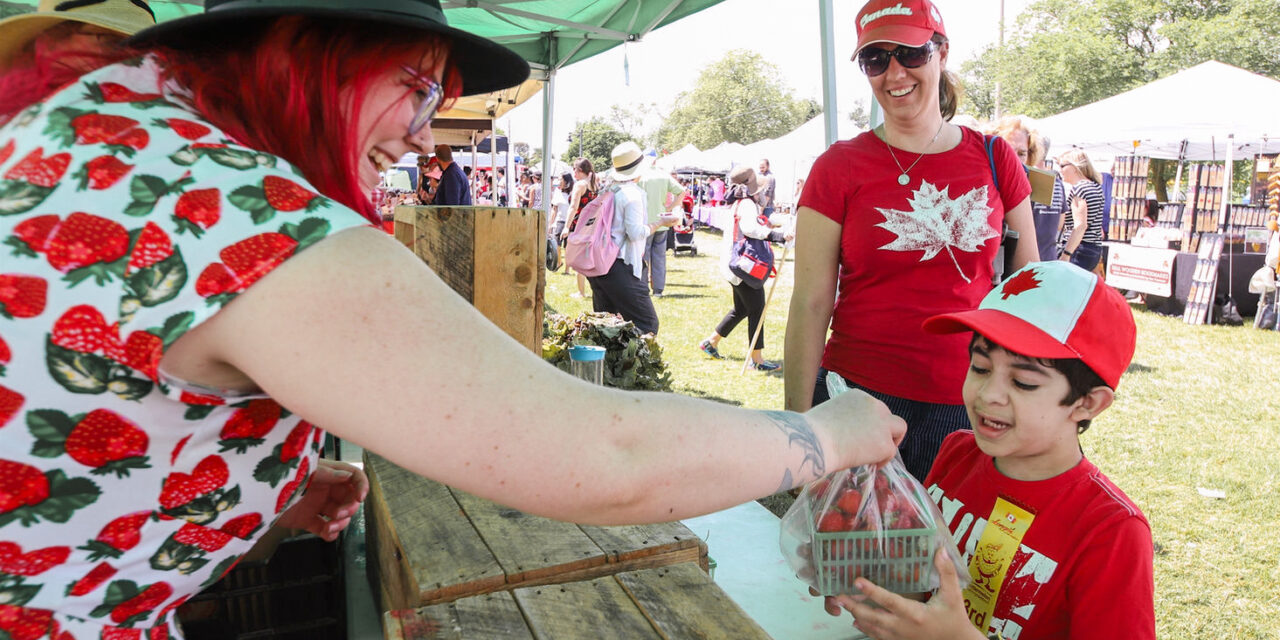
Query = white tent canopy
x=1201 y=106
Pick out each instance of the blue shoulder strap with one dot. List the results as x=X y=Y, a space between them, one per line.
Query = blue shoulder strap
x=991 y=159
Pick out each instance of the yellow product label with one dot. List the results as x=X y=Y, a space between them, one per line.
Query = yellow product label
x=1006 y=526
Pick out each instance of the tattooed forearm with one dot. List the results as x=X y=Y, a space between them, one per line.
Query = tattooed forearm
x=799 y=433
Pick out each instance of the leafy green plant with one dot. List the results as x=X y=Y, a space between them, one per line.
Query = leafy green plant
x=632 y=360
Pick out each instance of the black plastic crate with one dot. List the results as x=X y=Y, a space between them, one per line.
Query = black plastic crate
x=297 y=594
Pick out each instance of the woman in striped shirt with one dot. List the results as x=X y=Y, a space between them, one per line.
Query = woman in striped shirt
x=1082 y=230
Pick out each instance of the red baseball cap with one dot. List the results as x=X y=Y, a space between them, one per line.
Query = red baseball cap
x=1053 y=310
x=909 y=23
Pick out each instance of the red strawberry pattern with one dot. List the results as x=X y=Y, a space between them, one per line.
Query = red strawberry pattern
x=119 y=535
x=127 y=220
x=101 y=172
x=22 y=296
x=197 y=211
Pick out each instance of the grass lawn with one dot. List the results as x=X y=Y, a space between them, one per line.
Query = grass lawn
x=1199 y=408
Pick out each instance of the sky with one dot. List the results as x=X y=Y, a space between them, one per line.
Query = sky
x=785 y=32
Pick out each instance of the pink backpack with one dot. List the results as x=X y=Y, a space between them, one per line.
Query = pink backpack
x=590 y=249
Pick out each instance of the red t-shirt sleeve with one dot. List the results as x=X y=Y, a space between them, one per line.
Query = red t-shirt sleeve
x=1111 y=589
x=824 y=190
x=1014 y=185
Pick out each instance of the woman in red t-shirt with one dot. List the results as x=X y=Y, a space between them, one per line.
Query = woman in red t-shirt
x=903 y=222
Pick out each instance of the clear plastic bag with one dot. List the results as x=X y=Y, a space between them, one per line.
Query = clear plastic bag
x=879 y=524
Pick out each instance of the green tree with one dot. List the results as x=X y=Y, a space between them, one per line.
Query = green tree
x=1066 y=53
x=596 y=138
x=740 y=98
x=859 y=114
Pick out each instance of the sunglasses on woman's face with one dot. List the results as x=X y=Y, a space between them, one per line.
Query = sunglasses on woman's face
x=875 y=61
x=430 y=94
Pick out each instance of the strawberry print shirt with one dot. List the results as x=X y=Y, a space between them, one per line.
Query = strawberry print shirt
x=908 y=252
x=126 y=221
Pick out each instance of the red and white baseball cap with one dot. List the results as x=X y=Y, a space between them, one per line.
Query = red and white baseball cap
x=909 y=23
x=1053 y=310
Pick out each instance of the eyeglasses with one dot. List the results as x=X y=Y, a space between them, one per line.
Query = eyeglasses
x=430 y=94
x=875 y=61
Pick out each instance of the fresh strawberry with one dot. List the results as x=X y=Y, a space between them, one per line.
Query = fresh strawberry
x=285 y=195
x=38 y=170
x=83 y=329
x=121 y=534
x=217 y=279
x=22 y=296
x=32 y=563
x=832 y=521
x=109 y=443
x=256 y=256
x=100 y=573
x=112 y=92
x=849 y=501
x=6 y=150
x=10 y=402
x=21 y=485
x=293 y=486
x=180 y=488
x=84 y=239
x=249 y=424
x=25 y=623
x=296 y=441
x=242 y=526
x=95 y=128
x=185 y=128
x=209 y=540
x=101 y=172
x=152 y=246
x=142 y=351
x=149 y=599
x=201 y=208
x=36 y=232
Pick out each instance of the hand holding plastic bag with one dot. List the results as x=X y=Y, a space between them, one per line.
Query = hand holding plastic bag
x=867 y=522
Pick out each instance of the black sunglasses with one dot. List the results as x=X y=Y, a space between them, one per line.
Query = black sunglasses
x=875 y=61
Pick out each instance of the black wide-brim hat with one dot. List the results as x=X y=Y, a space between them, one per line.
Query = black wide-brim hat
x=485 y=65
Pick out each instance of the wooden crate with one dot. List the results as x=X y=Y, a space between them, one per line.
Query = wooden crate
x=493 y=257
x=678 y=601
x=429 y=543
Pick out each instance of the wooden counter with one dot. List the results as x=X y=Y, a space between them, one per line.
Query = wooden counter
x=667 y=603
x=431 y=544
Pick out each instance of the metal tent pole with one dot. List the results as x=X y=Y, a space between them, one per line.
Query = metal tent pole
x=830 y=106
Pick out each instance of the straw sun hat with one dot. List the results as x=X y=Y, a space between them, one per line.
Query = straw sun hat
x=125 y=16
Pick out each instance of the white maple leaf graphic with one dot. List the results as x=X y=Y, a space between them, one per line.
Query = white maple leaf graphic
x=936 y=222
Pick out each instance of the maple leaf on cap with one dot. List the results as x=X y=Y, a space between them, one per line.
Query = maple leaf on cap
x=1021 y=283
x=936 y=222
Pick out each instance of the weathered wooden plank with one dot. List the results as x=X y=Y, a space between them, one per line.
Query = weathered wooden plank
x=510 y=266
x=627 y=543
x=493 y=616
x=682 y=602
x=445 y=238
x=428 y=551
x=405 y=219
x=529 y=547
x=597 y=608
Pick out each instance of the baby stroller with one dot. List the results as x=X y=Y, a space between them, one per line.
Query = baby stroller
x=683 y=230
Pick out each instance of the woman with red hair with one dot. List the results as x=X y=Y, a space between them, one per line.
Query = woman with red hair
x=197 y=280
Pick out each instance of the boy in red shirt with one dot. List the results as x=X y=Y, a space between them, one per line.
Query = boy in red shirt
x=1054 y=549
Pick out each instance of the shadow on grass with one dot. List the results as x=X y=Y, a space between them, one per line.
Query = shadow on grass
x=683 y=296
x=699 y=393
x=1139 y=368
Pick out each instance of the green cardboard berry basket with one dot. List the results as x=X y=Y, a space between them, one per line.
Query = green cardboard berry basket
x=899 y=560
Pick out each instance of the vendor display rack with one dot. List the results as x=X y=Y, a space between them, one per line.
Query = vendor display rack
x=1128 y=196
